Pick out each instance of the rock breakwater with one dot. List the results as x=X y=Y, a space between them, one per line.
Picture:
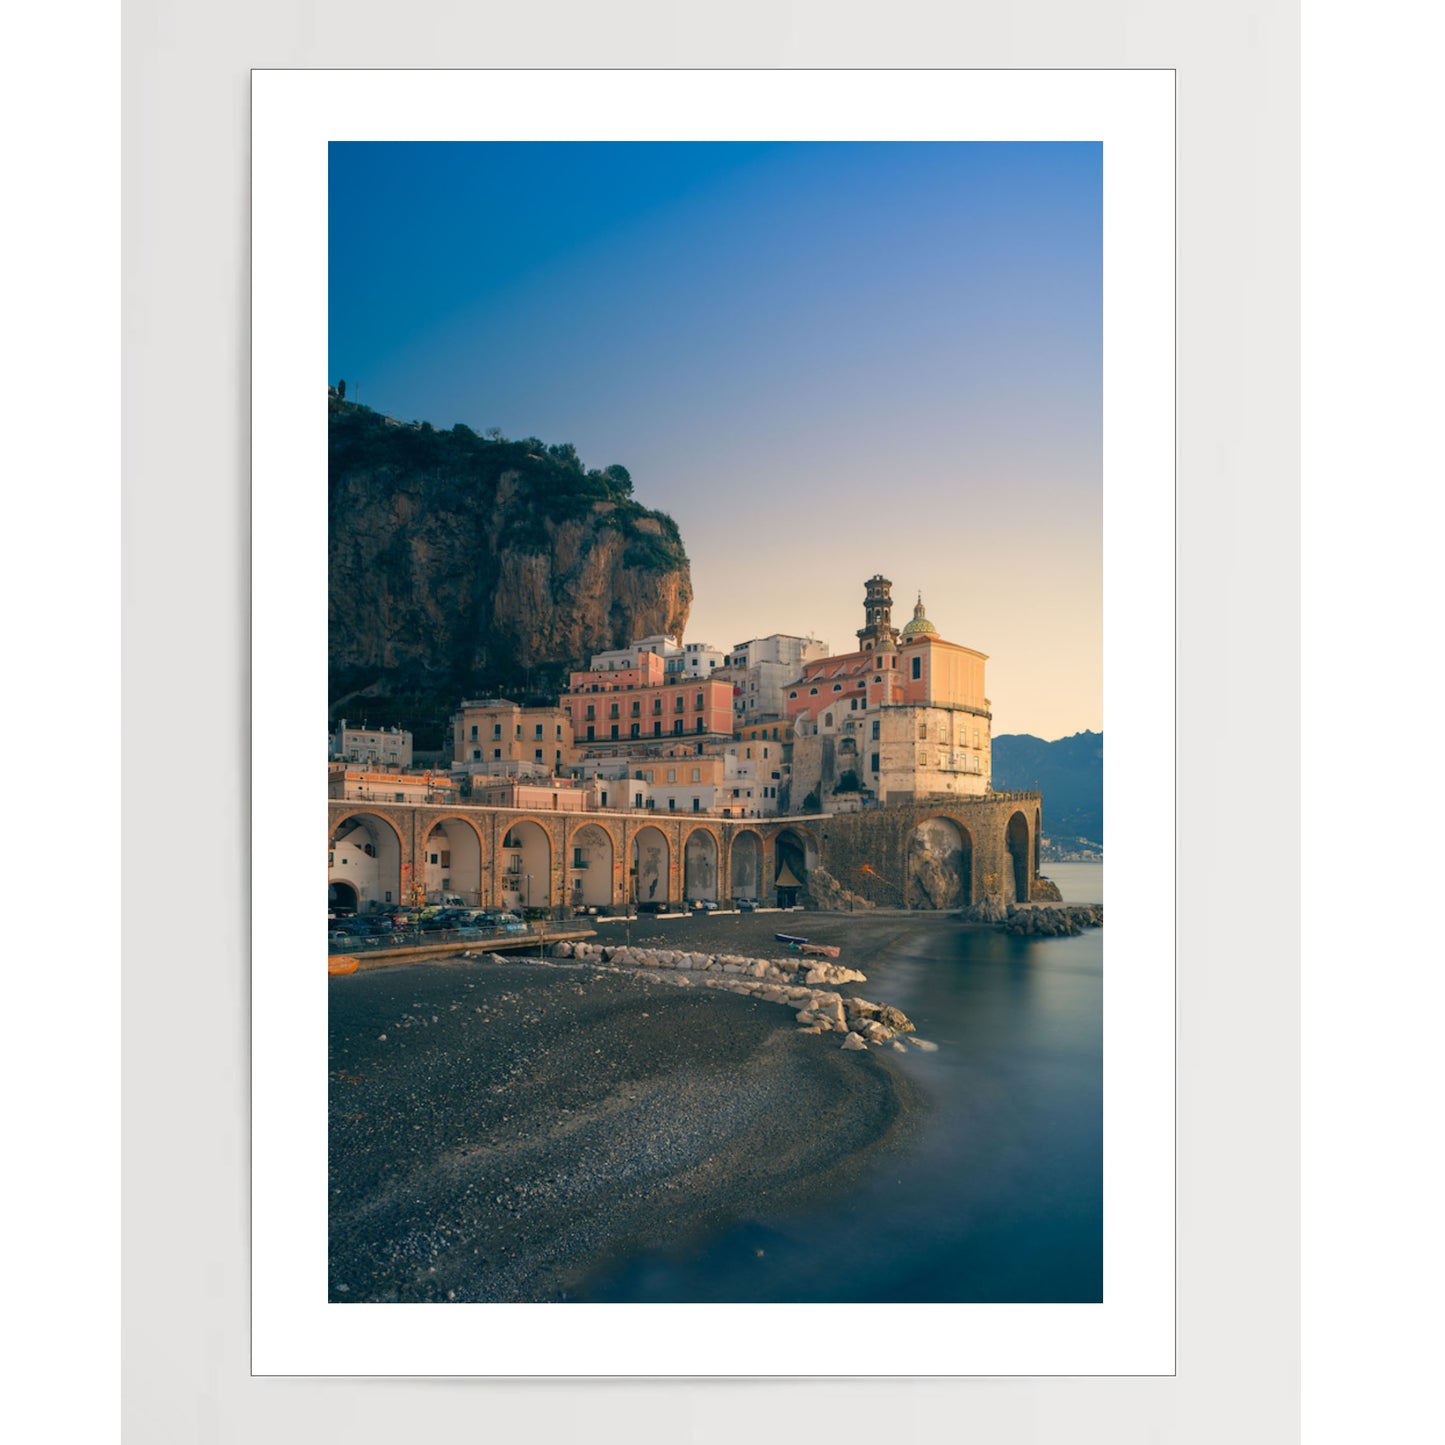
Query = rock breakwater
x=1036 y=920
x=819 y=1009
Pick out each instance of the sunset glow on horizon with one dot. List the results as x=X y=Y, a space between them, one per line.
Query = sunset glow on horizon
x=826 y=361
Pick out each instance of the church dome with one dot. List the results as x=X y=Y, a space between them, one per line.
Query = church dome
x=920 y=624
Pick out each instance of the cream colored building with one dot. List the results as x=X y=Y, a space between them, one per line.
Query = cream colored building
x=384 y=785
x=903 y=718
x=379 y=747
x=493 y=737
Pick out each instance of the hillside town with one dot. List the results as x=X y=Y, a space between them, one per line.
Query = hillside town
x=776 y=725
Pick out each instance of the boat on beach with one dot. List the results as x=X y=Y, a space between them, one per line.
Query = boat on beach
x=818 y=950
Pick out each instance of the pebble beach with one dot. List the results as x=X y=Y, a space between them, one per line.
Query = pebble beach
x=499 y=1131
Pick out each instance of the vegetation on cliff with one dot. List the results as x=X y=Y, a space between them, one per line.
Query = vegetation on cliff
x=472 y=564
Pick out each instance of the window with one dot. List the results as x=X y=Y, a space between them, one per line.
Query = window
x=579 y=858
x=700 y=725
x=875 y=730
x=637 y=800
x=677 y=702
x=672 y=805
x=657 y=729
x=446 y=858
x=748 y=751
x=496 y=730
x=672 y=775
x=873 y=762
x=917 y=668
x=636 y=729
x=812 y=692
x=519 y=729
x=496 y=752
x=828 y=720
x=537 y=755
x=792 y=694
x=636 y=708
x=591 y=711
x=923 y=732
x=559 y=732
x=656 y=706
x=538 y=732
x=476 y=755
x=604 y=797
x=474 y=731
x=614 y=732
x=591 y=735
x=612 y=711
x=837 y=687
x=677 y=726
x=697 y=706
x=697 y=775
x=697 y=805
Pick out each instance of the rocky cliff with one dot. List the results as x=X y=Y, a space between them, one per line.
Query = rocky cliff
x=469 y=565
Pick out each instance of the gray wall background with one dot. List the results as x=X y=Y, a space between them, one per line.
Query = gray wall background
x=185 y=637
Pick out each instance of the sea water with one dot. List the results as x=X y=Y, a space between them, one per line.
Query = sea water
x=998 y=1195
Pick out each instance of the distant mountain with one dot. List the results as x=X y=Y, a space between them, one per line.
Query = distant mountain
x=1069 y=772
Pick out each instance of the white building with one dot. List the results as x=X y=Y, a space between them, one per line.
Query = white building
x=381 y=747
x=623 y=659
x=762 y=669
x=701 y=659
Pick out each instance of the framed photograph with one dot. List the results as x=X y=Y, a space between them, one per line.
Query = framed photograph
x=739 y=499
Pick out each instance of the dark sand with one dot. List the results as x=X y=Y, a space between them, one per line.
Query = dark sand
x=522 y=1125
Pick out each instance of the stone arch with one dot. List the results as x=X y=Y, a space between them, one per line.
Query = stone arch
x=939 y=863
x=747 y=865
x=341 y=894
x=700 y=854
x=795 y=855
x=589 y=867
x=651 y=865
x=526 y=863
x=459 y=866
x=1016 y=844
x=365 y=850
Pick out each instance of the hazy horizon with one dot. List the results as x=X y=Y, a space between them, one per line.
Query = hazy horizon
x=824 y=360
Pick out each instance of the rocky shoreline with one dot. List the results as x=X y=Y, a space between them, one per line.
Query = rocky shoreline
x=1036 y=920
x=798 y=986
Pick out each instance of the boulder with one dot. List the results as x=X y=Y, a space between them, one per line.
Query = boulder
x=895 y=1019
x=561 y=950
x=854 y=1042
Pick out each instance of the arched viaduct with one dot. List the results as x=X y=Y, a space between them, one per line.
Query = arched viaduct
x=939 y=854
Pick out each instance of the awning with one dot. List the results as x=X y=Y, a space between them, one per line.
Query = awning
x=786 y=878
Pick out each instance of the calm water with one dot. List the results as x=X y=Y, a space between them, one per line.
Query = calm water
x=999 y=1198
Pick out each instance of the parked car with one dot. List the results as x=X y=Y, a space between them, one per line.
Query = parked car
x=747 y=905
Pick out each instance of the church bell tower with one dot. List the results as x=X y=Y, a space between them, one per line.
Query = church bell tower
x=878 y=610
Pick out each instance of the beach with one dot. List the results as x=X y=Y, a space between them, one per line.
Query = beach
x=501 y=1131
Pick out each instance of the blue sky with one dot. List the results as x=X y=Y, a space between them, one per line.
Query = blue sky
x=824 y=360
